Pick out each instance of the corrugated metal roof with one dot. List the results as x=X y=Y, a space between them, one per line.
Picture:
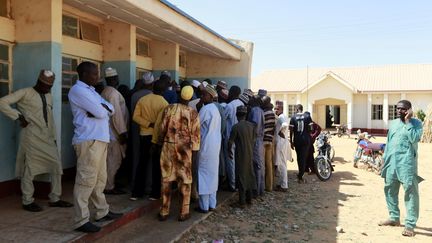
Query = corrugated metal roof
x=404 y=77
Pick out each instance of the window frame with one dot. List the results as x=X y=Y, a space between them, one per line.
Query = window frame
x=147 y=41
x=79 y=33
x=140 y=70
x=8 y=10
x=9 y=63
x=392 y=114
x=291 y=110
x=182 y=55
x=377 y=114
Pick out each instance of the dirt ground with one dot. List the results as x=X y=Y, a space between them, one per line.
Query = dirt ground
x=353 y=199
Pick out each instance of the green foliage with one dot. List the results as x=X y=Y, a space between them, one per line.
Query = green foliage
x=420 y=115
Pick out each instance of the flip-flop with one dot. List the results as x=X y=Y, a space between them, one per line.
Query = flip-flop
x=389 y=222
x=408 y=232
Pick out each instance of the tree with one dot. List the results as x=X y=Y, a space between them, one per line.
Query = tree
x=427 y=126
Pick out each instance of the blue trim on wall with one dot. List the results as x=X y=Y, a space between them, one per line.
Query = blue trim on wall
x=125 y=69
x=28 y=60
x=242 y=82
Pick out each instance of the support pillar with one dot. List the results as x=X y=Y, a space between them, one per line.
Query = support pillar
x=385 y=111
x=349 y=115
x=298 y=99
x=369 y=111
x=285 y=104
x=165 y=58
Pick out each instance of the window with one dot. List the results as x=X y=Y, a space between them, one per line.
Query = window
x=69 y=74
x=5 y=69
x=5 y=8
x=142 y=47
x=291 y=110
x=392 y=112
x=140 y=72
x=377 y=112
x=182 y=59
x=81 y=29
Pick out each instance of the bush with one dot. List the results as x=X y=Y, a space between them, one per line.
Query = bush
x=421 y=115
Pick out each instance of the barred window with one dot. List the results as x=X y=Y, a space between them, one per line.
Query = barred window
x=5 y=68
x=182 y=59
x=5 y=8
x=377 y=112
x=142 y=47
x=392 y=114
x=291 y=110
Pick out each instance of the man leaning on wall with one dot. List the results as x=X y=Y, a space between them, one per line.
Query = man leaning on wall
x=37 y=153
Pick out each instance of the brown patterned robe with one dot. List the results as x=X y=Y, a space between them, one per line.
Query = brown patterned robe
x=180 y=133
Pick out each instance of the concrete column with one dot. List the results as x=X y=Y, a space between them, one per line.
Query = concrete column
x=165 y=58
x=385 y=111
x=119 y=42
x=273 y=98
x=285 y=104
x=349 y=115
x=310 y=108
x=298 y=99
x=369 y=111
x=403 y=96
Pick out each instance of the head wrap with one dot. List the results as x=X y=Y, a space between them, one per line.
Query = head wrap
x=148 y=78
x=262 y=92
x=223 y=93
x=195 y=83
x=187 y=93
x=279 y=103
x=248 y=92
x=167 y=73
x=212 y=91
x=244 y=98
x=241 y=110
x=46 y=76
x=110 y=72
x=222 y=84
x=204 y=83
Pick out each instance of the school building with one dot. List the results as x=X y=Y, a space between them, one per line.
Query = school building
x=130 y=35
x=360 y=97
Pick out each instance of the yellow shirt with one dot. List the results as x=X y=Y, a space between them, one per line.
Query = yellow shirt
x=146 y=112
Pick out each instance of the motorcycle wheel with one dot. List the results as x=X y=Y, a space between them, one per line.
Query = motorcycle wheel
x=323 y=168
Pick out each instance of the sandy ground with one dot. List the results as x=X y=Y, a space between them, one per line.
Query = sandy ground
x=353 y=199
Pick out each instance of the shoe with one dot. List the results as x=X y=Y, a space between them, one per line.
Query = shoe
x=60 y=204
x=153 y=198
x=32 y=207
x=162 y=217
x=212 y=209
x=133 y=198
x=355 y=165
x=408 y=232
x=114 y=191
x=199 y=210
x=389 y=222
x=109 y=216
x=238 y=205
x=301 y=181
x=184 y=217
x=88 y=228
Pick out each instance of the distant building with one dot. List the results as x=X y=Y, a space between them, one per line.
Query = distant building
x=131 y=36
x=360 y=97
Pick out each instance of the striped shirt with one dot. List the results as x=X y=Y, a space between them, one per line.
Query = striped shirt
x=269 y=126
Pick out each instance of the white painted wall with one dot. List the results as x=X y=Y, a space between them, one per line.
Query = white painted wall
x=419 y=101
x=360 y=110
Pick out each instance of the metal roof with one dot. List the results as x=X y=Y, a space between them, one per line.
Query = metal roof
x=387 y=78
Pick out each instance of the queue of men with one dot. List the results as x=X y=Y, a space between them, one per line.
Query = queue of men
x=202 y=136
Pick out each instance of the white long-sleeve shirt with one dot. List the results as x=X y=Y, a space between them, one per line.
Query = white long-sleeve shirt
x=83 y=98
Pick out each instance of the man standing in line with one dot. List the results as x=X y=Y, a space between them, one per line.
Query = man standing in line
x=316 y=130
x=269 y=130
x=231 y=120
x=118 y=130
x=282 y=148
x=145 y=114
x=180 y=135
x=300 y=139
x=256 y=116
x=400 y=167
x=243 y=136
x=208 y=155
x=91 y=115
x=37 y=153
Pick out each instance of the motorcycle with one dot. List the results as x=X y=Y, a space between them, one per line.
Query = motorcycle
x=371 y=155
x=323 y=161
x=343 y=130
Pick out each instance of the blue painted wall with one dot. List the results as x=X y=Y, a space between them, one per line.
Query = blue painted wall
x=242 y=82
x=28 y=60
x=125 y=69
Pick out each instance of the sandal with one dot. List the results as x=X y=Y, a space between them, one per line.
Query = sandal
x=389 y=222
x=408 y=232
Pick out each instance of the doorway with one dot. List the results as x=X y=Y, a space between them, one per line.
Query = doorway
x=332 y=115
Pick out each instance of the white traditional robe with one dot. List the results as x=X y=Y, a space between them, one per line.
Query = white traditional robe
x=282 y=151
x=37 y=151
x=208 y=155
